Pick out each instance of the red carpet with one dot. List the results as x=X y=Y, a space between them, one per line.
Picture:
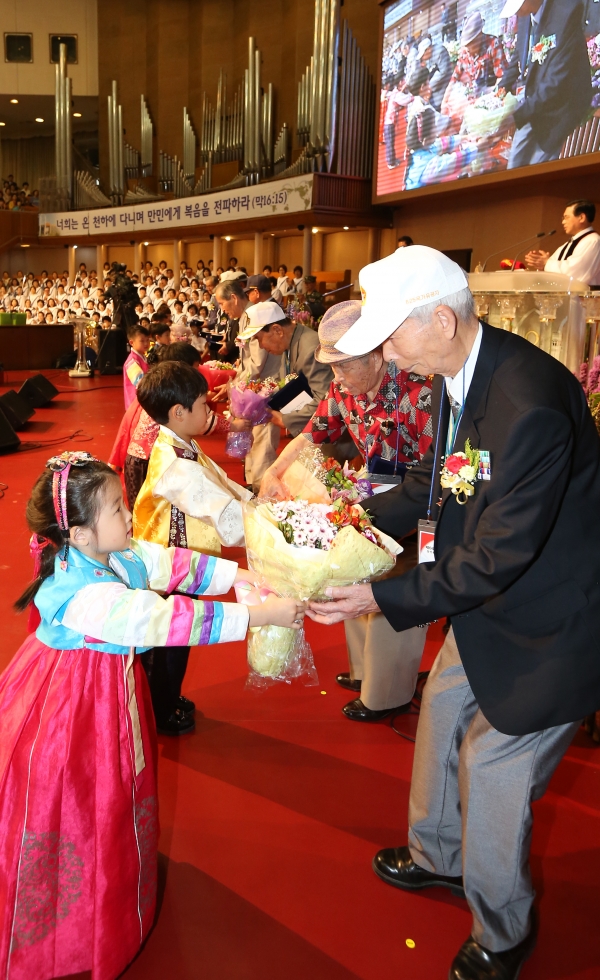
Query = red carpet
x=271 y=812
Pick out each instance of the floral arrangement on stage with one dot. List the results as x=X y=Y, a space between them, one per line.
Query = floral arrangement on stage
x=486 y=115
x=300 y=549
x=249 y=400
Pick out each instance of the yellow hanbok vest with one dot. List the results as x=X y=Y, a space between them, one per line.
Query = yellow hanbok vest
x=208 y=489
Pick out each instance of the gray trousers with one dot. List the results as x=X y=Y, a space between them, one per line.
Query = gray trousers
x=526 y=150
x=470 y=800
x=386 y=662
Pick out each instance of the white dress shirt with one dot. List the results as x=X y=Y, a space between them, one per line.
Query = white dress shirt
x=583 y=264
x=458 y=388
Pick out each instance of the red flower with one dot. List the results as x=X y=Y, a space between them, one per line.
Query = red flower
x=455 y=463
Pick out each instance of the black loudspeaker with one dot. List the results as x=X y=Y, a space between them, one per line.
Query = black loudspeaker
x=9 y=440
x=38 y=391
x=113 y=352
x=16 y=409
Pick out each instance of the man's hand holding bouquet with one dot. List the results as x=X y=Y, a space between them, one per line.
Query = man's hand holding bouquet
x=303 y=546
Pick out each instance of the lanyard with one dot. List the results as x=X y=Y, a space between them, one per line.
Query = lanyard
x=435 y=452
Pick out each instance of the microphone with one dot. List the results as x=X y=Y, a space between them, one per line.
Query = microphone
x=540 y=234
x=553 y=232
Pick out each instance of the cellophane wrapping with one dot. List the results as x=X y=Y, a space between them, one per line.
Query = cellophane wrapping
x=485 y=116
x=303 y=573
x=245 y=404
x=318 y=479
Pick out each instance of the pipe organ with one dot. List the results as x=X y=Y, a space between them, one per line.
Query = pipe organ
x=116 y=169
x=62 y=142
x=336 y=113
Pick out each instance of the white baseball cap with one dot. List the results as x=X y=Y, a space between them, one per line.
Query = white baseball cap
x=230 y=274
x=393 y=287
x=511 y=7
x=259 y=316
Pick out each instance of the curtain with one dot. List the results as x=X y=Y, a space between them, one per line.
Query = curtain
x=27 y=159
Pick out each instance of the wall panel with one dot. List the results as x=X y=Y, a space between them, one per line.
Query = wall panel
x=42 y=19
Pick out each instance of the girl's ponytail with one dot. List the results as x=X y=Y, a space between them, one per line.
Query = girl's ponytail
x=43 y=551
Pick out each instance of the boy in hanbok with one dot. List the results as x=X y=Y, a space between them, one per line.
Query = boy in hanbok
x=185 y=501
x=78 y=807
x=135 y=366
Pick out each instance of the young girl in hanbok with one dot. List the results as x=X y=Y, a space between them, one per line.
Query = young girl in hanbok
x=78 y=811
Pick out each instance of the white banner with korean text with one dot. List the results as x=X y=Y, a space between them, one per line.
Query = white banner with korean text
x=261 y=200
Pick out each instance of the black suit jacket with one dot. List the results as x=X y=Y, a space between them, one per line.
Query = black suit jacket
x=518 y=566
x=558 y=92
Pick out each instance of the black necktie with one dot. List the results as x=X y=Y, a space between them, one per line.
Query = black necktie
x=455 y=406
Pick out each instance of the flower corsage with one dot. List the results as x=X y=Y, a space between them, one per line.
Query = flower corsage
x=459 y=473
x=539 y=51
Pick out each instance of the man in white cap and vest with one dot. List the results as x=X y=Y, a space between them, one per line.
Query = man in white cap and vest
x=294 y=344
x=387 y=413
x=507 y=506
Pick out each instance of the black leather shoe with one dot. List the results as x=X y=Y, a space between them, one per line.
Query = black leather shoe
x=475 y=962
x=177 y=724
x=357 y=711
x=184 y=704
x=395 y=866
x=344 y=680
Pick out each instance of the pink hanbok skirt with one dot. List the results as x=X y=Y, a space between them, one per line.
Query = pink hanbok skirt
x=78 y=813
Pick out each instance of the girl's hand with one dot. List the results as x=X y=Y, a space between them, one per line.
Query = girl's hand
x=245 y=575
x=278 y=612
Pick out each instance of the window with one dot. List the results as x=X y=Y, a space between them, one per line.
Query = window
x=18 y=47
x=55 y=42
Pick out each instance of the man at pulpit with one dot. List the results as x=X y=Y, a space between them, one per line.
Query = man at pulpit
x=579 y=257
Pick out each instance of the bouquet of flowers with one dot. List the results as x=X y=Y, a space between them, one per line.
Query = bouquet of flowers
x=345 y=483
x=248 y=400
x=299 y=313
x=300 y=549
x=485 y=116
x=219 y=365
x=317 y=479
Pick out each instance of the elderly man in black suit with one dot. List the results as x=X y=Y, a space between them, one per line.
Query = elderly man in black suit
x=551 y=68
x=514 y=565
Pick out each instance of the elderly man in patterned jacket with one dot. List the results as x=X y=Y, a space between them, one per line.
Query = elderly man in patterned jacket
x=387 y=412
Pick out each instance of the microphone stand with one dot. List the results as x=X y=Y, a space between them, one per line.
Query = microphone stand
x=540 y=234
x=550 y=233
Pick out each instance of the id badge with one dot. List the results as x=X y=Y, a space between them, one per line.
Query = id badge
x=426 y=538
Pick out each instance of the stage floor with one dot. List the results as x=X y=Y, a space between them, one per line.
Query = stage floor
x=272 y=810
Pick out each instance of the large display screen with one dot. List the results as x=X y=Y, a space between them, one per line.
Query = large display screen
x=466 y=91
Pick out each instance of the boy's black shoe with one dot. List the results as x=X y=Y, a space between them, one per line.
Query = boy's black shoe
x=184 y=704
x=177 y=724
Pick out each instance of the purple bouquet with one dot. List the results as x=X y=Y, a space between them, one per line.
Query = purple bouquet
x=248 y=400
